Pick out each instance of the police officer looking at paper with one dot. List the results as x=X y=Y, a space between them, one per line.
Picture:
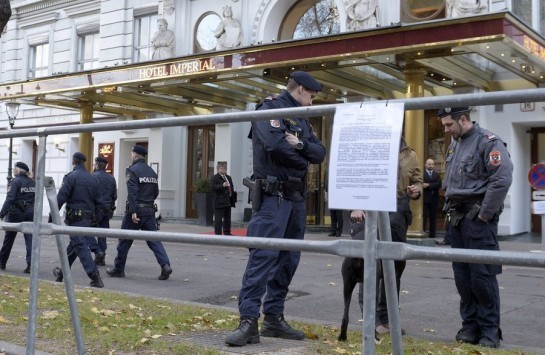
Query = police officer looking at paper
x=108 y=191
x=142 y=190
x=282 y=151
x=81 y=194
x=478 y=175
x=18 y=207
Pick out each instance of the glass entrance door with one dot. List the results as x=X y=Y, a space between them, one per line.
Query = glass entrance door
x=537 y=154
x=201 y=144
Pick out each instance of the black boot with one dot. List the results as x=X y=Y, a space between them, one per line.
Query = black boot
x=3 y=265
x=99 y=258
x=27 y=270
x=274 y=325
x=469 y=336
x=96 y=281
x=115 y=273
x=491 y=339
x=246 y=333
x=165 y=272
x=57 y=272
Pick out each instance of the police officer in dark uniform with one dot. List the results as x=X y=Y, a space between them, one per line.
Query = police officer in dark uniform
x=81 y=194
x=282 y=151
x=18 y=207
x=108 y=191
x=142 y=190
x=478 y=175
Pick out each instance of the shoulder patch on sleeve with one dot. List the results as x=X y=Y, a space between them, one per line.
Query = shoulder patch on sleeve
x=495 y=157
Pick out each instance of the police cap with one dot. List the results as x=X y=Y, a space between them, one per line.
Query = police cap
x=80 y=156
x=100 y=159
x=305 y=79
x=138 y=149
x=21 y=165
x=447 y=111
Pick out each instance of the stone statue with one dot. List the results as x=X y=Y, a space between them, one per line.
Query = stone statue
x=229 y=32
x=362 y=14
x=168 y=7
x=162 y=41
x=461 y=8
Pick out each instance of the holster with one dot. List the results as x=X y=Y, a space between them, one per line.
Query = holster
x=254 y=193
x=454 y=217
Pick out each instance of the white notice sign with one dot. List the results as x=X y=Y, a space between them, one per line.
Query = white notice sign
x=364 y=154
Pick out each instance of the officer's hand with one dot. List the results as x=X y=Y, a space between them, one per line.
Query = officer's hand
x=357 y=216
x=135 y=218
x=482 y=219
x=292 y=140
x=413 y=191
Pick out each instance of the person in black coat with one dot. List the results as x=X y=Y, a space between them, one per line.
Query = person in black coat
x=432 y=184
x=18 y=207
x=222 y=198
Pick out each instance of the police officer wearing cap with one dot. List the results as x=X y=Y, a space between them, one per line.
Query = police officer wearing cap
x=108 y=191
x=142 y=190
x=80 y=192
x=478 y=175
x=18 y=207
x=282 y=151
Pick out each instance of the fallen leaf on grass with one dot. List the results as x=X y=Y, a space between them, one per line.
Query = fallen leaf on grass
x=4 y=320
x=155 y=336
x=50 y=314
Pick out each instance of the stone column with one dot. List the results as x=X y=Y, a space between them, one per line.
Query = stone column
x=86 y=138
x=414 y=135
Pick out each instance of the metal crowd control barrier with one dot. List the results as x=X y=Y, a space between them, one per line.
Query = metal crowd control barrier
x=371 y=249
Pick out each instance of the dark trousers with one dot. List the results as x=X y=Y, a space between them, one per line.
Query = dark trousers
x=430 y=213
x=99 y=243
x=9 y=239
x=477 y=283
x=147 y=223
x=269 y=272
x=222 y=220
x=79 y=247
x=336 y=221
x=398 y=226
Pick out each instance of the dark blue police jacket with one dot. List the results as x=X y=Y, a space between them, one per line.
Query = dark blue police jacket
x=107 y=187
x=142 y=185
x=80 y=191
x=21 y=192
x=272 y=154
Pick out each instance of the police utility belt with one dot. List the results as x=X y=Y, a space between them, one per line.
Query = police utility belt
x=274 y=187
x=458 y=210
x=75 y=215
x=142 y=205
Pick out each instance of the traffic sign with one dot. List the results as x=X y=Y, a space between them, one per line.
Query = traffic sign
x=536 y=176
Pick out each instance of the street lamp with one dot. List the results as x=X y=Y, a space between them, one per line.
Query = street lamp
x=12 y=109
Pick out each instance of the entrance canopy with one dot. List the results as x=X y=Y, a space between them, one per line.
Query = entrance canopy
x=492 y=52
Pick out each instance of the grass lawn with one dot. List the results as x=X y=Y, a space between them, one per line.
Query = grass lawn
x=115 y=323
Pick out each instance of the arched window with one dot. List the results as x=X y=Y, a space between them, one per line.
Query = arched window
x=205 y=40
x=309 y=19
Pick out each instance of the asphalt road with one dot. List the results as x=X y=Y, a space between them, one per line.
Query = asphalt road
x=212 y=274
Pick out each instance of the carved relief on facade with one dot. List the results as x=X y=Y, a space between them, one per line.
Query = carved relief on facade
x=362 y=14
x=229 y=32
x=462 y=8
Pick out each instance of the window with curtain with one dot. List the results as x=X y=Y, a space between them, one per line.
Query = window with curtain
x=39 y=60
x=144 y=28
x=88 y=48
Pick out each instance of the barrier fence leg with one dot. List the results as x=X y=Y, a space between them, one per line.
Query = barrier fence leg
x=35 y=254
x=390 y=285
x=65 y=266
x=369 y=284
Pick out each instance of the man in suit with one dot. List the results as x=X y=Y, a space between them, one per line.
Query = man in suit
x=222 y=198
x=432 y=184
